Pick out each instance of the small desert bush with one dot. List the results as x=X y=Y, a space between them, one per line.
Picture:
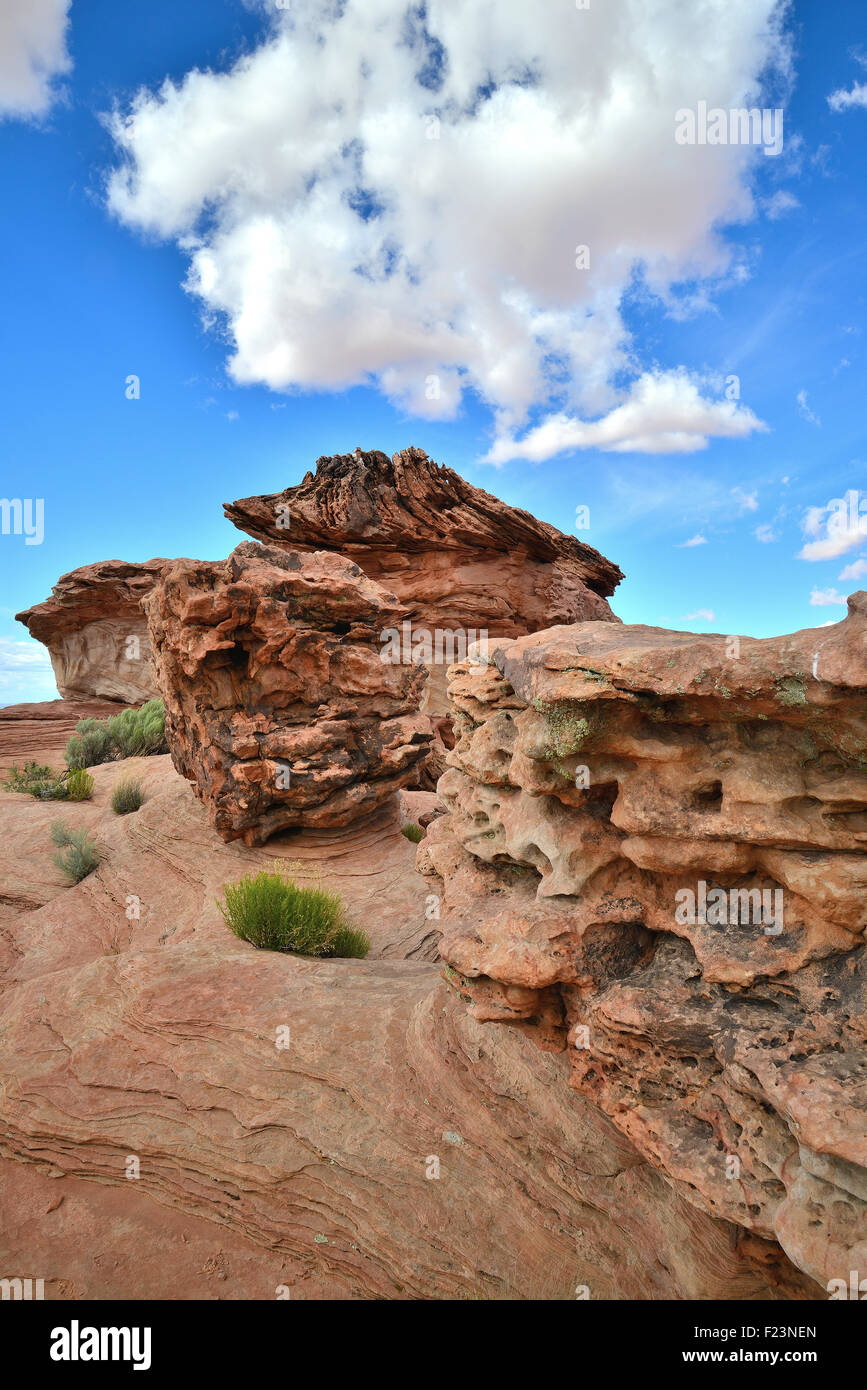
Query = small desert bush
x=413 y=832
x=127 y=795
x=77 y=855
x=272 y=912
x=132 y=733
x=37 y=779
x=79 y=785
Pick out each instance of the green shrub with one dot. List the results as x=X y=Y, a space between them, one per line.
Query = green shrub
x=127 y=795
x=272 y=912
x=79 y=785
x=89 y=745
x=37 y=779
x=413 y=832
x=77 y=855
x=139 y=732
x=132 y=733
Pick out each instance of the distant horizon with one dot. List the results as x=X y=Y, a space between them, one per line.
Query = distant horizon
x=579 y=303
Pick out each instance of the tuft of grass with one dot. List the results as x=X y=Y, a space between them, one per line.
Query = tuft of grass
x=132 y=733
x=273 y=913
x=127 y=795
x=79 y=785
x=413 y=832
x=77 y=855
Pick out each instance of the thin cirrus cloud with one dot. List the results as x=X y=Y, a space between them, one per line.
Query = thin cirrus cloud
x=394 y=197
x=32 y=55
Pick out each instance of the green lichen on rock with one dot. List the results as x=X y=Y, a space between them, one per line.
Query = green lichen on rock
x=791 y=690
x=566 y=729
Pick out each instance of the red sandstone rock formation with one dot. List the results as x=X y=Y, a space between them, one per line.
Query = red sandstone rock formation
x=610 y=791
x=278 y=706
x=95 y=630
x=454 y=555
x=461 y=561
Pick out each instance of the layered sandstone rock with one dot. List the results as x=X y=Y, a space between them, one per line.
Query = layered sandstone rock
x=620 y=799
x=454 y=555
x=96 y=633
x=41 y=730
x=133 y=1025
x=460 y=560
x=279 y=708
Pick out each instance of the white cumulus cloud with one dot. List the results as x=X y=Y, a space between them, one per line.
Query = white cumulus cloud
x=664 y=413
x=843 y=100
x=32 y=54
x=396 y=194
x=835 y=528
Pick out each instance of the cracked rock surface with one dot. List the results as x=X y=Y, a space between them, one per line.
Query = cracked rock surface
x=279 y=709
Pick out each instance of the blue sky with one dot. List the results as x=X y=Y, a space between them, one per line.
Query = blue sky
x=331 y=275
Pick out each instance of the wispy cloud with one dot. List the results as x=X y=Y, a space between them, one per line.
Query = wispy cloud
x=779 y=204
x=747 y=501
x=824 y=598
x=843 y=100
x=856 y=570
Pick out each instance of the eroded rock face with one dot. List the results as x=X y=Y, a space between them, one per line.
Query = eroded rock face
x=610 y=789
x=461 y=561
x=278 y=706
x=457 y=557
x=96 y=633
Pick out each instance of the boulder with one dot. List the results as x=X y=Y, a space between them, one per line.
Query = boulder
x=461 y=561
x=655 y=861
x=96 y=633
x=279 y=708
